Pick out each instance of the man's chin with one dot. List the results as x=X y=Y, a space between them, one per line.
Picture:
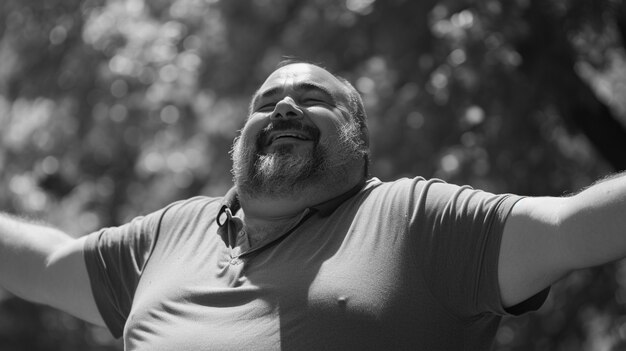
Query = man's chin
x=278 y=175
x=281 y=166
x=285 y=149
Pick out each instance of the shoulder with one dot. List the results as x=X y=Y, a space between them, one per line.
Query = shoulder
x=411 y=188
x=193 y=205
x=406 y=183
x=171 y=215
x=435 y=196
x=390 y=199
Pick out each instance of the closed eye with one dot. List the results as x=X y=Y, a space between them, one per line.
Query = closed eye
x=315 y=101
x=266 y=107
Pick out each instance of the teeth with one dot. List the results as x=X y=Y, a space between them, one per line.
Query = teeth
x=289 y=135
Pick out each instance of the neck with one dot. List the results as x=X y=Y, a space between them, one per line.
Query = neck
x=272 y=208
x=268 y=216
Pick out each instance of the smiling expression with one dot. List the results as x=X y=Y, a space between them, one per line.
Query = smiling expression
x=293 y=103
x=299 y=136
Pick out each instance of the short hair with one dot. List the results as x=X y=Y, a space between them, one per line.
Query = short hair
x=356 y=108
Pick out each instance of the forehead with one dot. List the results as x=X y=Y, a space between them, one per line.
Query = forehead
x=297 y=75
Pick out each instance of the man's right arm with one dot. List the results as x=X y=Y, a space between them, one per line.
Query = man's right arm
x=45 y=265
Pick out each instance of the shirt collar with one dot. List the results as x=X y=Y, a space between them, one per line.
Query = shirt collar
x=230 y=203
x=230 y=206
x=327 y=207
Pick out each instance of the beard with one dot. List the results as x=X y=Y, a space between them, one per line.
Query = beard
x=285 y=174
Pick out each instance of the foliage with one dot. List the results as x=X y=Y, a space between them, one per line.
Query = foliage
x=113 y=108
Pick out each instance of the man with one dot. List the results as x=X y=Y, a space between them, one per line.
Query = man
x=307 y=253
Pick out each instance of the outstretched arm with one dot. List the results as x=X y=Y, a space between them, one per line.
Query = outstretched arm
x=545 y=237
x=45 y=265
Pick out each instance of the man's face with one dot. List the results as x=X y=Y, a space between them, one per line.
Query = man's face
x=299 y=133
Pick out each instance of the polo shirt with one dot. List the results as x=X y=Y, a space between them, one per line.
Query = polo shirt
x=410 y=264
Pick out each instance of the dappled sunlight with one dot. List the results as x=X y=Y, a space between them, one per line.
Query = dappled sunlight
x=110 y=109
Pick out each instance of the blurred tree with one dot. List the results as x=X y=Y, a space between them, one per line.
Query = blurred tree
x=113 y=108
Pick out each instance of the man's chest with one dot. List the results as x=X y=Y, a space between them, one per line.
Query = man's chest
x=316 y=286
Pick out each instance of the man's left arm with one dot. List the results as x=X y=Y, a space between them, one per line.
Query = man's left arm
x=547 y=237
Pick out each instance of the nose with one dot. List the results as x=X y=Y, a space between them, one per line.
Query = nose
x=286 y=109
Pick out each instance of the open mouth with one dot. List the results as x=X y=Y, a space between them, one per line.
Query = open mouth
x=287 y=135
x=286 y=132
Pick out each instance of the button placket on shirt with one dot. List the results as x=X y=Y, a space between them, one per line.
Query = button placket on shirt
x=238 y=242
x=303 y=217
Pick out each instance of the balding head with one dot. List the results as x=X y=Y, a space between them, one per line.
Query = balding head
x=343 y=90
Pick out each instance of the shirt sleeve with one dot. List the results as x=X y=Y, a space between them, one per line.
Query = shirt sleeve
x=115 y=258
x=460 y=231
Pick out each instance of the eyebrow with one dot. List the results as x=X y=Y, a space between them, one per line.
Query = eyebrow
x=304 y=87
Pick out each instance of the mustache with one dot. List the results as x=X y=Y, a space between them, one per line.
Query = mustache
x=287 y=125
